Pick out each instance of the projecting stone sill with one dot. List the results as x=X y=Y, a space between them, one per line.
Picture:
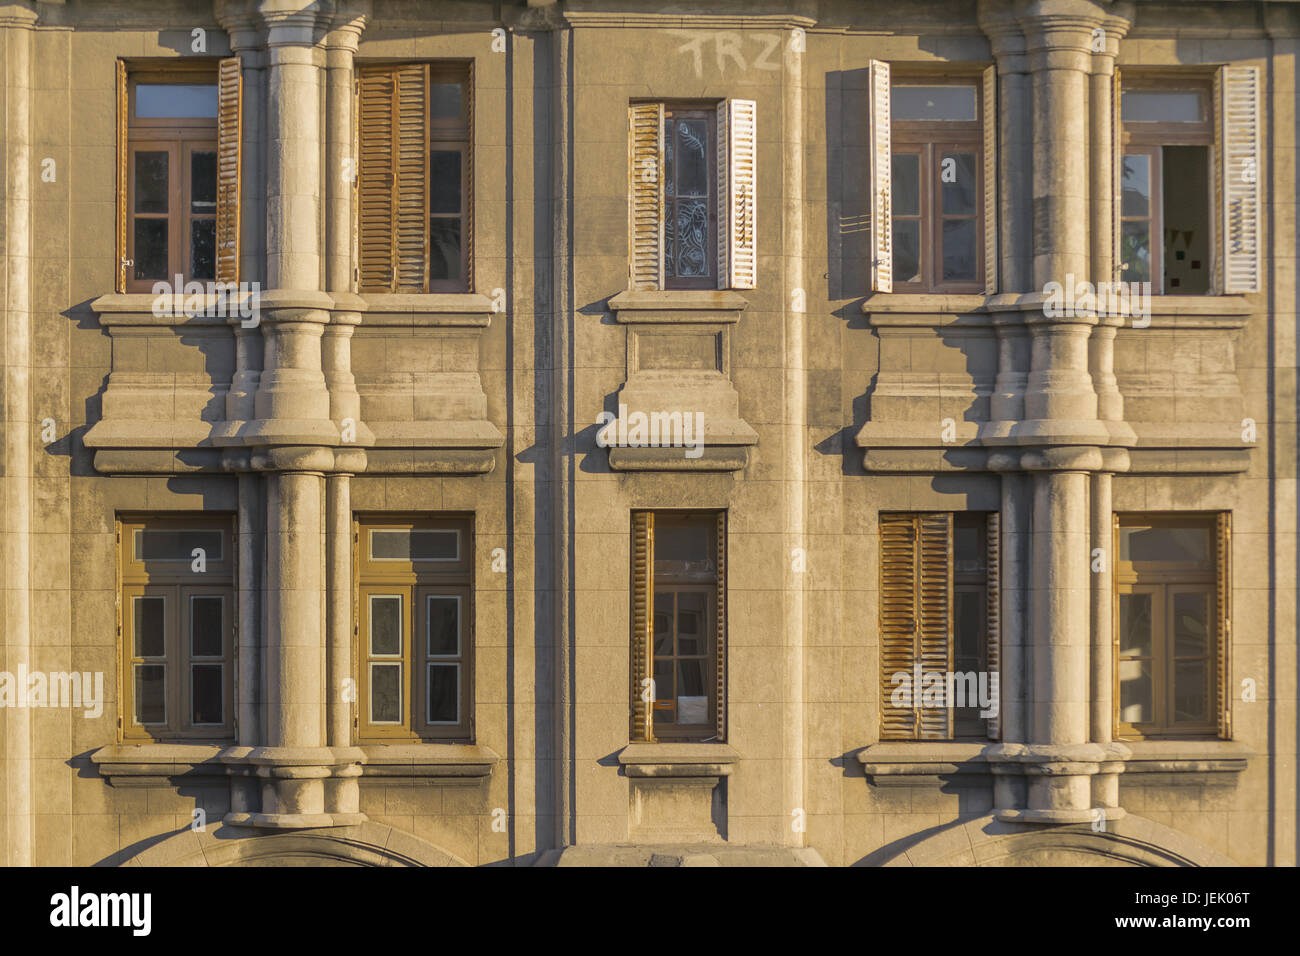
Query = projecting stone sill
x=678 y=760
x=150 y=765
x=428 y=761
x=689 y=306
x=1187 y=756
x=906 y=762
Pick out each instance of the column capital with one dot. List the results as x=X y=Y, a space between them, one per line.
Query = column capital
x=18 y=14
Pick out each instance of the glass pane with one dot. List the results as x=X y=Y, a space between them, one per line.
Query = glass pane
x=203 y=249
x=150 y=627
x=1191 y=612
x=665 y=689
x=663 y=624
x=1161 y=106
x=691 y=684
x=205 y=694
x=1191 y=692
x=444 y=249
x=907 y=250
x=444 y=188
x=687 y=543
x=968 y=547
x=692 y=622
x=177 y=545
x=170 y=100
x=969 y=628
x=690 y=238
x=692 y=158
x=1135 y=625
x=151 y=182
x=404 y=545
x=444 y=625
x=933 y=103
x=1136 y=185
x=151 y=249
x=957 y=184
x=1135 y=251
x=1135 y=691
x=207 y=629
x=385 y=625
x=445 y=100
x=1187 y=545
x=203 y=183
x=150 y=694
x=385 y=693
x=906 y=184
x=959 y=260
x=444 y=705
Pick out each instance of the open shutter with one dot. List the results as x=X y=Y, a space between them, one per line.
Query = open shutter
x=229 y=119
x=123 y=177
x=376 y=175
x=721 y=637
x=1117 y=180
x=990 y=90
x=643 y=530
x=1237 y=92
x=897 y=621
x=737 y=194
x=881 y=215
x=411 y=215
x=993 y=617
x=934 y=615
x=1223 y=618
x=645 y=164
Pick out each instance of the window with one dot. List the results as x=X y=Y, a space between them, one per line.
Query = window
x=176 y=628
x=1171 y=625
x=692 y=195
x=1188 y=182
x=178 y=174
x=934 y=180
x=679 y=600
x=415 y=183
x=414 y=629
x=939 y=634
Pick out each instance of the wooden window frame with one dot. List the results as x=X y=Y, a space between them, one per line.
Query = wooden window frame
x=414 y=582
x=706 y=110
x=177 y=584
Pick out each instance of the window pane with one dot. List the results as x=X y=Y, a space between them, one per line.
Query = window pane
x=959 y=260
x=692 y=159
x=443 y=705
x=444 y=625
x=151 y=249
x=692 y=623
x=444 y=249
x=385 y=693
x=907 y=250
x=1185 y=545
x=933 y=103
x=968 y=624
x=692 y=702
x=150 y=694
x=205 y=694
x=176 y=100
x=690 y=238
x=150 y=627
x=444 y=188
x=968 y=546
x=445 y=100
x=406 y=545
x=385 y=625
x=207 y=628
x=203 y=183
x=151 y=182
x=177 y=545
x=203 y=249
x=1191 y=692
x=663 y=624
x=1135 y=691
x=684 y=542
x=1135 y=625
x=906 y=184
x=1191 y=624
x=665 y=690
x=1161 y=106
x=1135 y=251
x=1136 y=185
x=957 y=182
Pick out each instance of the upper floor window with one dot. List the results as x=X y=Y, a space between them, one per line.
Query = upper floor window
x=934 y=181
x=178 y=174
x=415 y=178
x=693 y=195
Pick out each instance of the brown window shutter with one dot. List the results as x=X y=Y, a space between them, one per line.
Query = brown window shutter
x=1117 y=180
x=721 y=637
x=411 y=195
x=229 y=120
x=123 y=176
x=897 y=621
x=934 y=615
x=1223 y=618
x=993 y=621
x=468 y=209
x=990 y=91
x=376 y=179
x=646 y=195
x=643 y=529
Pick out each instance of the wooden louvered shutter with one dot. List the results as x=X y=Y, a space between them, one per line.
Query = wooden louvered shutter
x=123 y=177
x=993 y=618
x=376 y=175
x=643 y=598
x=737 y=194
x=934 y=601
x=720 y=643
x=411 y=195
x=990 y=90
x=646 y=195
x=229 y=120
x=881 y=215
x=1223 y=618
x=1117 y=179
x=1237 y=137
x=897 y=621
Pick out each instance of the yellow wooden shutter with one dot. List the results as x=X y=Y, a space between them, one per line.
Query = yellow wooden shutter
x=643 y=598
x=993 y=618
x=376 y=178
x=1223 y=618
x=934 y=615
x=123 y=177
x=468 y=165
x=897 y=621
x=646 y=195
x=737 y=194
x=411 y=215
x=1237 y=92
x=990 y=90
x=229 y=119
x=1117 y=180
x=720 y=711
x=878 y=98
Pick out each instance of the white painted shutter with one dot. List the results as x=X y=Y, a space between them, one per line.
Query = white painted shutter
x=881 y=216
x=1236 y=97
x=645 y=162
x=737 y=194
x=990 y=89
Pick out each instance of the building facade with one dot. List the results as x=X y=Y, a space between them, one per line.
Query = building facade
x=569 y=432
